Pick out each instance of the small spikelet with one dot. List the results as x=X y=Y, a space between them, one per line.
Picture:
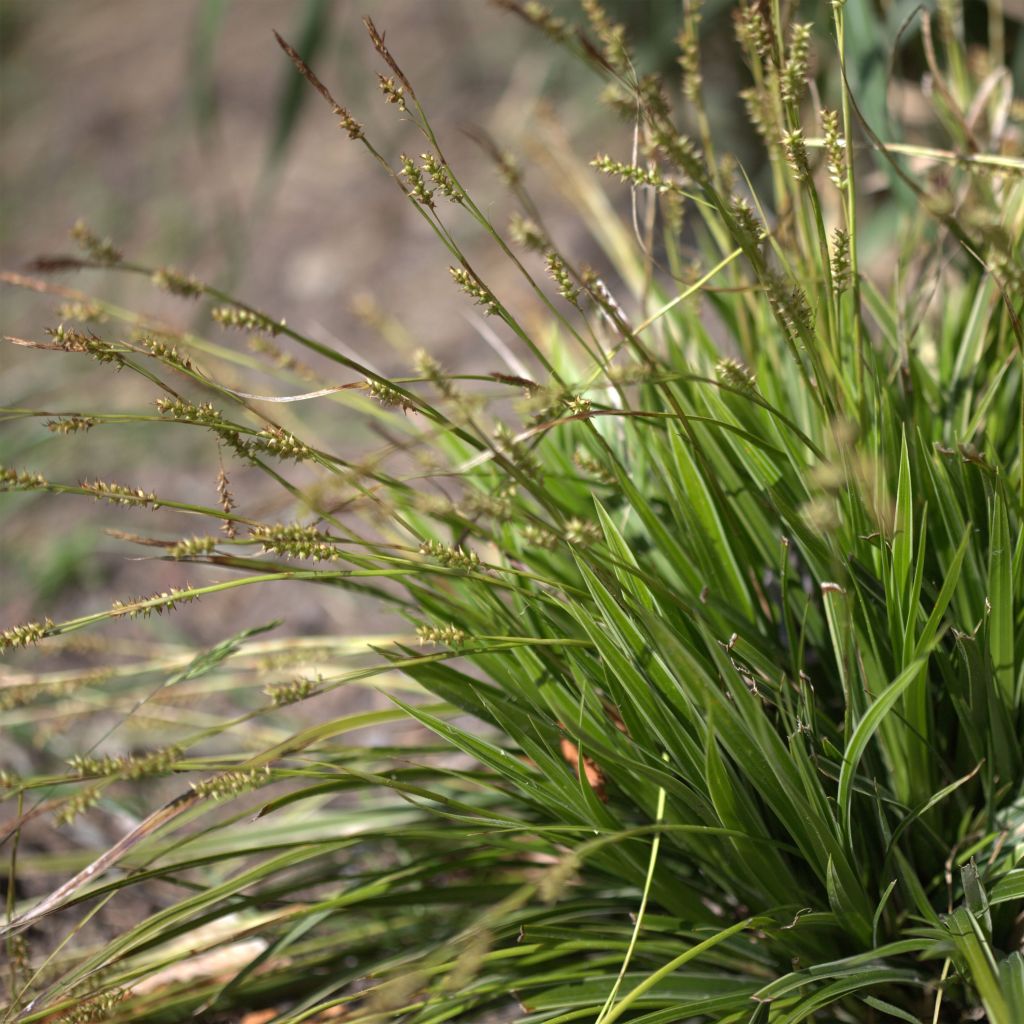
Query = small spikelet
x=554 y=881
x=527 y=233
x=517 y=453
x=99 y=249
x=753 y=30
x=582 y=532
x=388 y=395
x=76 y=805
x=796 y=153
x=188 y=412
x=245 y=320
x=588 y=464
x=231 y=783
x=144 y=607
x=493 y=506
x=746 y=220
x=279 y=357
x=193 y=547
x=49 y=689
x=95 y=1009
x=734 y=374
x=475 y=289
x=689 y=62
x=282 y=444
x=392 y=91
x=761 y=113
x=348 y=122
x=166 y=353
x=15 y=480
x=835 y=151
x=540 y=17
x=451 y=557
x=227 y=502
x=430 y=369
x=469 y=961
x=295 y=690
x=842 y=269
x=71 y=340
x=682 y=152
x=441 y=177
x=71 y=424
x=538 y=537
x=612 y=35
x=449 y=636
x=789 y=302
x=650 y=176
x=293 y=540
x=560 y=275
x=84 y=312
x=126 y=766
x=578 y=405
x=793 y=78
x=170 y=280
x=417 y=187
x=23 y=636
x=119 y=494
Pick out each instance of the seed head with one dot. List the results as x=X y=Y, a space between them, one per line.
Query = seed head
x=76 y=805
x=283 y=694
x=99 y=249
x=450 y=557
x=71 y=424
x=650 y=176
x=231 y=783
x=193 y=547
x=475 y=289
x=293 y=540
x=144 y=607
x=13 y=480
x=170 y=280
x=733 y=373
x=538 y=537
x=796 y=153
x=449 y=636
x=588 y=464
x=126 y=766
x=282 y=444
x=527 y=233
x=418 y=188
x=560 y=275
x=793 y=78
x=393 y=93
x=441 y=177
x=118 y=494
x=840 y=260
x=245 y=319
x=582 y=532
x=23 y=636
x=189 y=412
x=388 y=395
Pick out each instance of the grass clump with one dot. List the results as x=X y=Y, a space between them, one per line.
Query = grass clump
x=716 y=589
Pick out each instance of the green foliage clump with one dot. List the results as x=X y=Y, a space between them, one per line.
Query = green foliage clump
x=716 y=653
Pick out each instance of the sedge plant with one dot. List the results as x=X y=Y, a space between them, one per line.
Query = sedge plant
x=714 y=596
